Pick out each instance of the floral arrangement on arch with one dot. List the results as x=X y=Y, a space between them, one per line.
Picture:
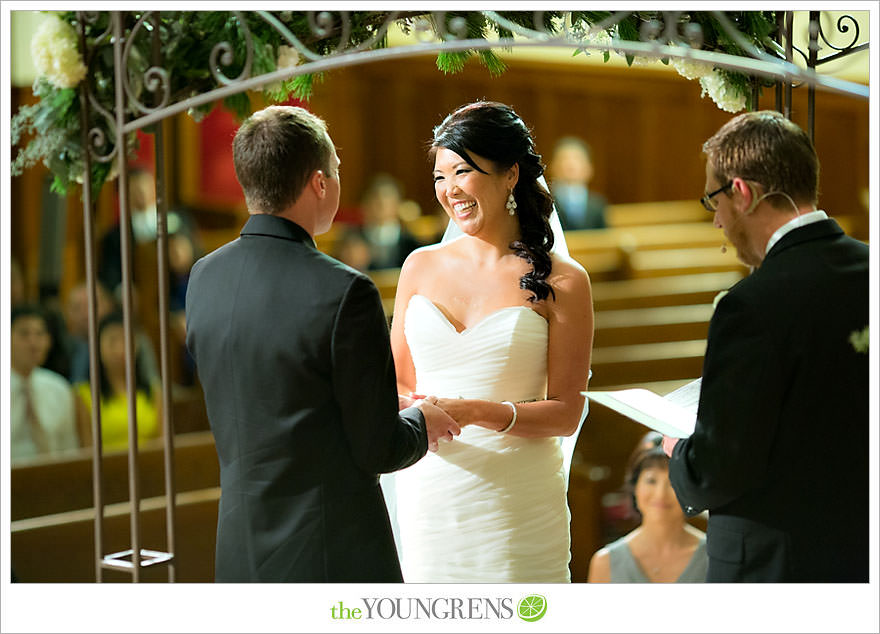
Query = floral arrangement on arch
x=187 y=38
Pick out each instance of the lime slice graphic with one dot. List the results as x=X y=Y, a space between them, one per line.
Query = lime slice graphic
x=532 y=608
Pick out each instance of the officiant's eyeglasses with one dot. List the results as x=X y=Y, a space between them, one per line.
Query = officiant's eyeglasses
x=707 y=202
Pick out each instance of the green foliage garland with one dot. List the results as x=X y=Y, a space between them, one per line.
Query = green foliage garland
x=186 y=39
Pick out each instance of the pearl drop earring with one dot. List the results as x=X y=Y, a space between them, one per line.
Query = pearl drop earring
x=511 y=203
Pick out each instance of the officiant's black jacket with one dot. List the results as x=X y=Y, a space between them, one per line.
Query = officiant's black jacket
x=293 y=353
x=780 y=452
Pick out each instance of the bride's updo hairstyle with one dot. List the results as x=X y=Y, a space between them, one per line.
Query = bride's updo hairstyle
x=494 y=131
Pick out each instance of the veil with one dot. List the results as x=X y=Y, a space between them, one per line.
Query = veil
x=559 y=245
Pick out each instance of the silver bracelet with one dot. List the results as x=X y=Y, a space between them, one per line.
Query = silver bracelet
x=513 y=421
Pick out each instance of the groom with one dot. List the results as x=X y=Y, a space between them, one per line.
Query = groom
x=293 y=354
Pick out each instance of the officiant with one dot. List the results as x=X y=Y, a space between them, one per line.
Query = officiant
x=779 y=453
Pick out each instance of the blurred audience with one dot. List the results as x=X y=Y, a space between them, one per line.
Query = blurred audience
x=182 y=254
x=76 y=315
x=383 y=230
x=57 y=358
x=114 y=399
x=43 y=409
x=142 y=207
x=571 y=171
x=352 y=248
x=664 y=548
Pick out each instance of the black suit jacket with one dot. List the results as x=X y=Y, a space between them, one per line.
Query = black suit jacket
x=779 y=455
x=293 y=353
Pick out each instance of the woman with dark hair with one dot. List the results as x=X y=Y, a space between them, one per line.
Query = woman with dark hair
x=664 y=548
x=499 y=327
x=114 y=398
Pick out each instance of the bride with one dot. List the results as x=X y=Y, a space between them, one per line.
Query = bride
x=500 y=328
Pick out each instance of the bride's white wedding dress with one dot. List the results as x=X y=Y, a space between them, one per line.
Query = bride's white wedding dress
x=488 y=506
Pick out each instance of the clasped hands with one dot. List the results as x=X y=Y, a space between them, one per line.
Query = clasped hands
x=439 y=422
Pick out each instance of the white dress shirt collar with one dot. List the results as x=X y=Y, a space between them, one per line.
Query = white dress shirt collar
x=798 y=221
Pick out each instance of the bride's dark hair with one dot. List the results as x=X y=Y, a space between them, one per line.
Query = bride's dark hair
x=494 y=131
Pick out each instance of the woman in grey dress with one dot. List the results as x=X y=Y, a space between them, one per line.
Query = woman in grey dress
x=664 y=548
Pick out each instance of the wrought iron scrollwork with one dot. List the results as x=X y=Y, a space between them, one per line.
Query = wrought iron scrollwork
x=98 y=134
x=324 y=40
x=842 y=27
x=223 y=53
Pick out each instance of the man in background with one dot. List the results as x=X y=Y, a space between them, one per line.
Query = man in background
x=572 y=171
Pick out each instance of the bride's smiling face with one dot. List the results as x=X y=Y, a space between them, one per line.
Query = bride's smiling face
x=471 y=198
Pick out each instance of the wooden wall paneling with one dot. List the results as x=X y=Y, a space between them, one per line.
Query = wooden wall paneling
x=26 y=193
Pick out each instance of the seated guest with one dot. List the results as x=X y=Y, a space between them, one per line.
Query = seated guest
x=571 y=170
x=76 y=317
x=352 y=249
x=383 y=229
x=43 y=412
x=664 y=548
x=114 y=398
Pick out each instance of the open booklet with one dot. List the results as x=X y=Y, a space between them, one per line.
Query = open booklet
x=672 y=415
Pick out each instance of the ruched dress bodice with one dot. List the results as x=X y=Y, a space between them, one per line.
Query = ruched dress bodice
x=488 y=506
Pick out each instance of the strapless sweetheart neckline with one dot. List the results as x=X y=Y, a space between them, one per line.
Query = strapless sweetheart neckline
x=479 y=322
x=500 y=499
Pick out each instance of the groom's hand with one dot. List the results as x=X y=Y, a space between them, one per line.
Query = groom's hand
x=439 y=424
x=408 y=400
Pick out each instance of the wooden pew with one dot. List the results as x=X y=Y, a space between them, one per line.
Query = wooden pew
x=603 y=264
x=655 y=324
x=51 y=505
x=659 y=236
x=693 y=288
x=50 y=485
x=665 y=262
x=652 y=213
x=662 y=361
x=60 y=548
x=386 y=281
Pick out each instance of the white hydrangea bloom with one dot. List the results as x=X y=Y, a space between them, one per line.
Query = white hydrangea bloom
x=722 y=93
x=55 y=53
x=689 y=68
x=288 y=57
x=600 y=37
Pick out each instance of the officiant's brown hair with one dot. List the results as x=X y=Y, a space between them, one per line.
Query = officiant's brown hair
x=275 y=151
x=766 y=148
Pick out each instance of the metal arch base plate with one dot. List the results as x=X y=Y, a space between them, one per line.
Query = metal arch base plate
x=148 y=558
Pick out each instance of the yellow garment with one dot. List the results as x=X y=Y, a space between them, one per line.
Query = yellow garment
x=114 y=417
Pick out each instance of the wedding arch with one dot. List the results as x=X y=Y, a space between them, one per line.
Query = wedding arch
x=116 y=73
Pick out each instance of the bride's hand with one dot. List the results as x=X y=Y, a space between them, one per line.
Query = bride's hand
x=457 y=408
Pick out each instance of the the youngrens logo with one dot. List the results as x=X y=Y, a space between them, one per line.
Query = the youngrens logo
x=530 y=608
